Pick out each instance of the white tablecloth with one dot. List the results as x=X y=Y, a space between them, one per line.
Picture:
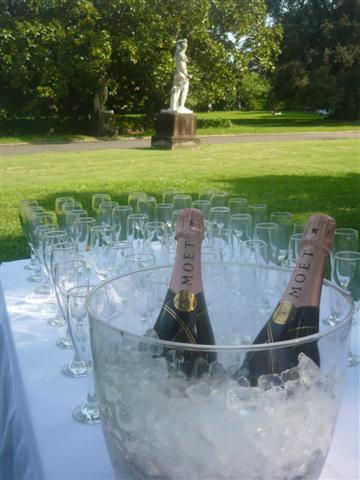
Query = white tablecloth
x=38 y=436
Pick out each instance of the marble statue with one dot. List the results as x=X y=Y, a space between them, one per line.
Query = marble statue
x=180 y=86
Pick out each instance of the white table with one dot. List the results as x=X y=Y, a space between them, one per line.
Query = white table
x=38 y=436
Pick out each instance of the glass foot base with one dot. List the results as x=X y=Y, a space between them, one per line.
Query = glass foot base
x=43 y=290
x=29 y=266
x=85 y=413
x=35 y=278
x=75 y=369
x=57 y=321
x=353 y=359
x=65 y=343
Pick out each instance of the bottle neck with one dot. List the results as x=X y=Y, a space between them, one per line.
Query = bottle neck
x=304 y=288
x=187 y=269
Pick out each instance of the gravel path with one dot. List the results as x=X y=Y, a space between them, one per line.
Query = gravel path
x=32 y=149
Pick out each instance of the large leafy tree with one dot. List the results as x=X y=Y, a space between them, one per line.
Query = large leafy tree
x=54 y=54
x=320 y=60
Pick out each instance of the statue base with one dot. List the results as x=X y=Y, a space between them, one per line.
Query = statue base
x=105 y=124
x=175 y=130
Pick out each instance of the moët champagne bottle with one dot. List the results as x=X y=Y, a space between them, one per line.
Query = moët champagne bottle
x=297 y=313
x=184 y=317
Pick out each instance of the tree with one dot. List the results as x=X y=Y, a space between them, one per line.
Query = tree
x=320 y=60
x=253 y=91
x=54 y=54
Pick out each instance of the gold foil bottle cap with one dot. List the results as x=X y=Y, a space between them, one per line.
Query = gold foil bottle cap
x=319 y=232
x=185 y=301
x=190 y=224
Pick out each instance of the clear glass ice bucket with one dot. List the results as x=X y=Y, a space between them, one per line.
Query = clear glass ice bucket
x=159 y=424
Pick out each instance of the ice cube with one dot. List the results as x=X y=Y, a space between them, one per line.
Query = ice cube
x=266 y=382
x=290 y=375
x=199 y=391
x=217 y=373
x=244 y=400
x=309 y=372
x=201 y=367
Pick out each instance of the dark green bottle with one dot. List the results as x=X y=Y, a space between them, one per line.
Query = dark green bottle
x=297 y=314
x=184 y=317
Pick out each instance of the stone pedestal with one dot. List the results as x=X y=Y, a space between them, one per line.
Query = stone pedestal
x=105 y=124
x=175 y=130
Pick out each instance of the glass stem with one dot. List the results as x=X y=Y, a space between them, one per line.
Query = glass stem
x=91 y=395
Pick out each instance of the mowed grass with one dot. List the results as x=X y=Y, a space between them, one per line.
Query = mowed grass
x=265 y=122
x=300 y=177
x=242 y=123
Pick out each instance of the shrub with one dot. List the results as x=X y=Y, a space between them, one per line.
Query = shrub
x=214 y=122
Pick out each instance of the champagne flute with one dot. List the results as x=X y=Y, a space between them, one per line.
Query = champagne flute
x=258 y=212
x=22 y=206
x=345 y=239
x=222 y=242
x=81 y=232
x=70 y=217
x=156 y=235
x=163 y=213
x=268 y=232
x=96 y=201
x=37 y=216
x=298 y=227
x=168 y=195
x=68 y=274
x=133 y=199
x=294 y=249
x=120 y=214
x=49 y=240
x=204 y=206
x=39 y=233
x=238 y=205
x=285 y=222
x=135 y=230
x=205 y=194
x=241 y=224
x=88 y=411
x=255 y=252
x=182 y=201
x=105 y=212
x=347 y=275
x=219 y=199
x=59 y=202
x=147 y=206
x=61 y=251
x=220 y=217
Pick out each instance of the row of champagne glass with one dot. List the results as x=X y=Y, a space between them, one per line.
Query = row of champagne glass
x=281 y=234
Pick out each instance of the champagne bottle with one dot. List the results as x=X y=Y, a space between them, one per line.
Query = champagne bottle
x=297 y=313
x=183 y=316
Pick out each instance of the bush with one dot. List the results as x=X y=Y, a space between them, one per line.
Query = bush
x=214 y=122
x=135 y=124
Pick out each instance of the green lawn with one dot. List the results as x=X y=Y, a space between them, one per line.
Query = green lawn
x=265 y=122
x=242 y=123
x=302 y=177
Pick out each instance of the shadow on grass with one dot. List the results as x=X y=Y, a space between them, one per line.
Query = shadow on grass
x=279 y=122
x=301 y=195
x=41 y=139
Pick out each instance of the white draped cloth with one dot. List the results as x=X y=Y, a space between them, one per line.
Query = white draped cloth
x=38 y=436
